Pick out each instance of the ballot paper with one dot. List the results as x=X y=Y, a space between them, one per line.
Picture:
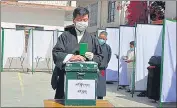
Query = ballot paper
x=83 y=48
x=81 y=89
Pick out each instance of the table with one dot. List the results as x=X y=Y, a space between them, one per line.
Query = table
x=59 y=103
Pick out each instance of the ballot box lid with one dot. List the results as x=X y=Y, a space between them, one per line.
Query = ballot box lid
x=88 y=66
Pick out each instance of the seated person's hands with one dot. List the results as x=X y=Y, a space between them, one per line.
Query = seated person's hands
x=124 y=57
x=77 y=58
x=89 y=55
x=128 y=61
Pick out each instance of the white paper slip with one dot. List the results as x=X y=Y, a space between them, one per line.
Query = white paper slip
x=81 y=89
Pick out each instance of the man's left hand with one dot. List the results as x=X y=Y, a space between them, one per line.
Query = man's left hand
x=128 y=61
x=89 y=55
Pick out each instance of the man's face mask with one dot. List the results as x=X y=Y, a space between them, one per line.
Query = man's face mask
x=101 y=41
x=131 y=49
x=81 y=25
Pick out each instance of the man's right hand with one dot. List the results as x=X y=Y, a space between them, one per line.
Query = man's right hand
x=124 y=57
x=77 y=58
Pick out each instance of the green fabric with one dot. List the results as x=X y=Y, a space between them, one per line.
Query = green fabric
x=171 y=20
x=88 y=66
x=2 y=56
x=161 y=72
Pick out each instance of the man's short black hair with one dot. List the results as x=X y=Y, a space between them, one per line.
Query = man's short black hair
x=132 y=43
x=104 y=33
x=80 y=11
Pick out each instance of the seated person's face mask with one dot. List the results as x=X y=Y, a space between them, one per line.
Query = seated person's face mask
x=131 y=49
x=81 y=26
x=101 y=41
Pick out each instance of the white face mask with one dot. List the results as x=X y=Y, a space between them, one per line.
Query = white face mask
x=81 y=26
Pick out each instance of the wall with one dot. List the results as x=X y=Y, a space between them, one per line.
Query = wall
x=23 y=15
x=123 y=12
x=85 y=3
x=73 y=3
x=66 y=23
x=13 y=25
x=104 y=16
x=93 y=29
x=170 y=9
x=59 y=3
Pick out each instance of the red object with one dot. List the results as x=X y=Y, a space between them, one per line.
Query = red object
x=151 y=67
x=157 y=22
x=102 y=72
x=137 y=12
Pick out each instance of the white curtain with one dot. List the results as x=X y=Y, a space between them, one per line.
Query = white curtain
x=148 y=43
x=169 y=63
x=30 y=50
x=56 y=35
x=127 y=34
x=14 y=46
x=40 y=46
x=113 y=42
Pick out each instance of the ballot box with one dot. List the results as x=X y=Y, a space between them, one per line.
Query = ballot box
x=81 y=83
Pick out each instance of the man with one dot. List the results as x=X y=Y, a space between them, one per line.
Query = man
x=130 y=59
x=67 y=48
x=104 y=64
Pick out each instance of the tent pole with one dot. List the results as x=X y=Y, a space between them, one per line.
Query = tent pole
x=161 y=72
x=118 y=60
x=133 y=80
x=2 y=50
x=32 y=51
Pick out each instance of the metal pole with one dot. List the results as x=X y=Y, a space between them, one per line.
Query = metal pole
x=134 y=66
x=54 y=32
x=32 y=51
x=118 y=61
x=149 y=19
x=161 y=72
x=2 y=50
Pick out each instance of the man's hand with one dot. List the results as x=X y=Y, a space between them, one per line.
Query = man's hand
x=77 y=58
x=128 y=61
x=124 y=57
x=89 y=55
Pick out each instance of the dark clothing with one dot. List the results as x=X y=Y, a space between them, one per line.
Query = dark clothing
x=106 y=49
x=100 y=98
x=67 y=43
x=101 y=88
x=60 y=84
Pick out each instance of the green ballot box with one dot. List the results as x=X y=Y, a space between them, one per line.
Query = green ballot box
x=81 y=83
x=83 y=47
